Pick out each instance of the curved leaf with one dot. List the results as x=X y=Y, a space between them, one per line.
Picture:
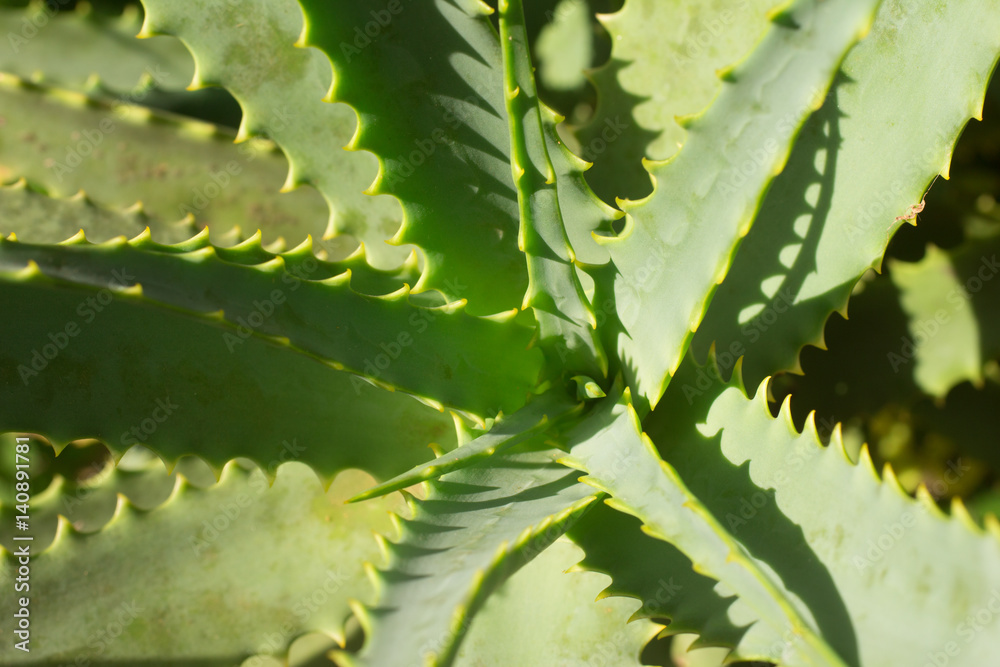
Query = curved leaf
x=855 y=175
x=555 y=619
x=72 y=371
x=441 y=353
x=121 y=154
x=476 y=527
x=664 y=59
x=193 y=581
x=677 y=244
x=281 y=90
x=566 y=320
x=69 y=47
x=621 y=460
x=37 y=218
x=440 y=133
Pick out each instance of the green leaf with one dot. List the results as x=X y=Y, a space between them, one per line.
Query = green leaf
x=566 y=320
x=476 y=527
x=37 y=218
x=193 y=581
x=68 y=48
x=664 y=59
x=677 y=244
x=655 y=573
x=555 y=620
x=441 y=353
x=440 y=133
x=543 y=413
x=83 y=485
x=846 y=563
x=872 y=538
x=281 y=89
x=940 y=361
x=262 y=399
x=620 y=460
x=62 y=142
x=107 y=61
x=855 y=174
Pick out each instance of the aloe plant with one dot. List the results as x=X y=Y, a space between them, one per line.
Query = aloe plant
x=426 y=409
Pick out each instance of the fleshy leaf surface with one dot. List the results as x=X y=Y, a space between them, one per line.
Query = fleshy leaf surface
x=566 y=321
x=69 y=47
x=312 y=304
x=256 y=398
x=530 y=422
x=440 y=133
x=193 y=581
x=677 y=244
x=555 y=618
x=476 y=527
x=281 y=90
x=664 y=59
x=855 y=176
x=120 y=154
x=622 y=461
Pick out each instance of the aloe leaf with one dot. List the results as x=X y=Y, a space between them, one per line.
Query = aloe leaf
x=540 y=414
x=107 y=61
x=281 y=89
x=855 y=176
x=442 y=123
x=70 y=47
x=262 y=399
x=176 y=583
x=441 y=353
x=83 y=485
x=566 y=321
x=664 y=59
x=476 y=527
x=583 y=212
x=656 y=574
x=680 y=240
x=621 y=461
x=37 y=218
x=866 y=541
x=555 y=619
x=847 y=564
x=62 y=142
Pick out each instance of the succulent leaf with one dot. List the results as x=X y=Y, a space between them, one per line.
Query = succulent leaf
x=664 y=59
x=824 y=557
x=219 y=401
x=678 y=243
x=422 y=350
x=566 y=321
x=555 y=618
x=281 y=90
x=62 y=142
x=442 y=122
x=35 y=217
x=623 y=462
x=657 y=574
x=530 y=422
x=193 y=580
x=952 y=328
x=855 y=176
x=98 y=45
x=476 y=527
